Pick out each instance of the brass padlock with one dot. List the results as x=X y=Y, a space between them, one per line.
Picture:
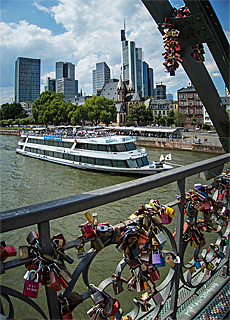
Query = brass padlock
x=170 y=261
x=24 y=252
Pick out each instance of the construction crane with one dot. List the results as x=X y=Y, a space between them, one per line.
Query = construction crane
x=161 y=82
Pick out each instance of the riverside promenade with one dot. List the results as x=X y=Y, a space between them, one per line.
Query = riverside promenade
x=199 y=141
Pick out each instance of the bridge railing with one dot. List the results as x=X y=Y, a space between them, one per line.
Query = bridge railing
x=41 y=214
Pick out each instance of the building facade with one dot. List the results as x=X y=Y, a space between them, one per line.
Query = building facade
x=101 y=75
x=190 y=104
x=160 y=92
x=50 y=84
x=67 y=87
x=132 y=64
x=147 y=80
x=161 y=107
x=65 y=79
x=27 y=79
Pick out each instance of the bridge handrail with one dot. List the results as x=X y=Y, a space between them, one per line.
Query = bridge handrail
x=42 y=213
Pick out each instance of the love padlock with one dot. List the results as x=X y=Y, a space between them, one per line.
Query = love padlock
x=31 y=286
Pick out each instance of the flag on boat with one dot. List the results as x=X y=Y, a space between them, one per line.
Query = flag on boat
x=162 y=158
x=168 y=157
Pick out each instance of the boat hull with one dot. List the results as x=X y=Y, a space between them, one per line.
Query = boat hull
x=146 y=170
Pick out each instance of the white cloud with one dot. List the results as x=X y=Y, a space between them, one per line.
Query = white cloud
x=92 y=34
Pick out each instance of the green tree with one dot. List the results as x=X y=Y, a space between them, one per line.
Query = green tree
x=96 y=110
x=50 y=108
x=160 y=120
x=179 y=119
x=139 y=113
x=170 y=119
x=12 y=111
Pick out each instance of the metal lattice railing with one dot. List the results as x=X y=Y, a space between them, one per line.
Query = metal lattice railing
x=172 y=296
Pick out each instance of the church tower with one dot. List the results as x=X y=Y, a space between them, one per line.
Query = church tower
x=120 y=91
x=131 y=88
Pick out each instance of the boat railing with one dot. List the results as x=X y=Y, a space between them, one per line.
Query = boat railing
x=176 y=280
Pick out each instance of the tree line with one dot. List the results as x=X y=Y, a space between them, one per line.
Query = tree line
x=51 y=109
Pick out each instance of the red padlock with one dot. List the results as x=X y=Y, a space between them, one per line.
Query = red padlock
x=11 y=250
x=54 y=281
x=88 y=230
x=31 y=287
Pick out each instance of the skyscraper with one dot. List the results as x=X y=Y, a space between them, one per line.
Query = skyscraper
x=27 y=79
x=132 y=66
x=101 y=75
x=65 y=77
x=50 y=84
x=147 y=80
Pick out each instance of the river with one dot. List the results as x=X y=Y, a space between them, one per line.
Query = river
x=26 y=181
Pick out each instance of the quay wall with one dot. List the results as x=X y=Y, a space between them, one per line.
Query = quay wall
x=152 y=142
x=198 y=147
x=10 y=132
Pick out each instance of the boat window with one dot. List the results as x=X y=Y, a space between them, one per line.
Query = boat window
x=90 y=160
x=121 y=147
x=68 y=144
x=119 y=163
x=112 y=148
x=92 y=147
x=102 y=147
x=49 y=142
x=83 y=159
x=40 y=151
x=130 y=146
x=58 y=155
x=103 y=162
x=80 y=146
x=27 y=149
x=145 y=161
x=139 y=162
x=77 y=158
x=132 y=163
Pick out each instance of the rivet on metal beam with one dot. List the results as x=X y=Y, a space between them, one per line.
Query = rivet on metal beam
x=207 y=37
x=198 y=19
x=203 y=28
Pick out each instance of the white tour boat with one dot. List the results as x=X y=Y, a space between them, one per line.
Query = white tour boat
x=114 y=153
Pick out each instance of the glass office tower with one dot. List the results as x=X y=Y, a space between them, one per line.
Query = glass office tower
x=132 y=66
x=65 y=79
x=147 y=80
x=101 y=75
x=27 y=79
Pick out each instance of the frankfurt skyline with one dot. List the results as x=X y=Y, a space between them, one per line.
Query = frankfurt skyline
x=85 y=33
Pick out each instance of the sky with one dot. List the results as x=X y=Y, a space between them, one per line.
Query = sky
x=85 y=32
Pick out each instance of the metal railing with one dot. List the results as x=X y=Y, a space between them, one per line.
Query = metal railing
x=41 y=214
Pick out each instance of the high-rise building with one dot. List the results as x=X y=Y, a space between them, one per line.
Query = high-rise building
x=65 y=70
x=132 y=66
x=147 y=80
x=101 y=75
x=27 y=79
x=65 y=78
x=50 y=84
x=160 y=92
x=67 y=87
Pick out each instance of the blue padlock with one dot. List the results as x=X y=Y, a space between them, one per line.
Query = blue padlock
x=197 y=264
x=162 y=263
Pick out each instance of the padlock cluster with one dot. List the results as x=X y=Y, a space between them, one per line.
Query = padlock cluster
x=206 y=201
x=198 y=52
x=171 y=44
x=105 y=306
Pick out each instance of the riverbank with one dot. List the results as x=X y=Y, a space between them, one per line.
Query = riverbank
x=210 y=146
x=182 y=145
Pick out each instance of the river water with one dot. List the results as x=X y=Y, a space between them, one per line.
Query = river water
x=26 y=181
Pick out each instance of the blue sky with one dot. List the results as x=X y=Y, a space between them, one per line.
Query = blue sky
x=87 y=32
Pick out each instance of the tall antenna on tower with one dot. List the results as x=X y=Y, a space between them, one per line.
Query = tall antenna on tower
x=124 y=23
